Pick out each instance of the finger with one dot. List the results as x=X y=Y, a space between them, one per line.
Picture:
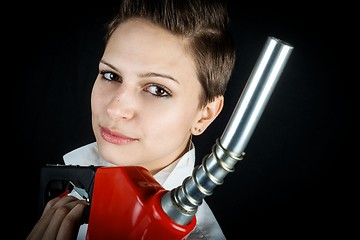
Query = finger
x=54 y=212
x=58 y=202
x=70 y=226
x=42 y=225
x=38 y=230
x=59 y=216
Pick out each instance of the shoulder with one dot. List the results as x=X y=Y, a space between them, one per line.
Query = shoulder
x=207 y=227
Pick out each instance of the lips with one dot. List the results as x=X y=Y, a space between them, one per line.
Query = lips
x=115 y=137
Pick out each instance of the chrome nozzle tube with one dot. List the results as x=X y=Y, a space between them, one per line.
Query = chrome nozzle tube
x=181 y=203
x=255 y=96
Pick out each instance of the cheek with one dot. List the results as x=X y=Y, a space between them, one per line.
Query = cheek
x=98 y=100
x=177 y=120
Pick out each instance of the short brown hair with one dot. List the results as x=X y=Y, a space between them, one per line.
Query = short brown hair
x=204 y=23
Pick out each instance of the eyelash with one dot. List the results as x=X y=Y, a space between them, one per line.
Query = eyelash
x=103 y=73
x=160 y=88
x=164 y=92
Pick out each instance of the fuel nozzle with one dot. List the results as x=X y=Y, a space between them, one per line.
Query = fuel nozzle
x=181 y=203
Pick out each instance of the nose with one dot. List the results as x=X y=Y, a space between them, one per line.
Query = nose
x=122 y=105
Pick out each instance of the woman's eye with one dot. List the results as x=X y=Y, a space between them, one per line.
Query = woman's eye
x=158 y=91
x=110 y=76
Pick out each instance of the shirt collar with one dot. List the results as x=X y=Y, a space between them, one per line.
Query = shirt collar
x=169 y=177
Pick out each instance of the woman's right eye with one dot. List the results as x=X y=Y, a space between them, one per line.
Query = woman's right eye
x=110 y=76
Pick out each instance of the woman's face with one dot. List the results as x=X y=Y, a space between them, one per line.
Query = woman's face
x=146 y=97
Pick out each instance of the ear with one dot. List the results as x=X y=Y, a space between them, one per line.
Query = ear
x=207 y=115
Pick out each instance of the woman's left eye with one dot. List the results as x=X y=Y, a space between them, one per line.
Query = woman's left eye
x=158 y=91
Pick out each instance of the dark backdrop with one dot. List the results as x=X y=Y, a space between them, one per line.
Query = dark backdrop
x=290 y=181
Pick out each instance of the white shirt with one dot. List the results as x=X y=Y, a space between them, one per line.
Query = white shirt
x=170 y=177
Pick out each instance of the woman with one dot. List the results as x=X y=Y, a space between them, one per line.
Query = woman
x=162 y=79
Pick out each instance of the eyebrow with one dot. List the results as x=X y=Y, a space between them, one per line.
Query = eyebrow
x=149 y=74
x=152 y=74
x=109 y=65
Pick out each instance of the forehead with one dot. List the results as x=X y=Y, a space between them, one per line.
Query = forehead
x=147 y=34
x=145 y=45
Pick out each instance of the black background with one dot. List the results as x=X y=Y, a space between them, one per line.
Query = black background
x=292 y=180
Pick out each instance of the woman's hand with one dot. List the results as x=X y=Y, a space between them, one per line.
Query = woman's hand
x=61 y=219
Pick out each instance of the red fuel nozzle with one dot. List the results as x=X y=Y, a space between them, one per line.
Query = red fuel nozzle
x=126 y=204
